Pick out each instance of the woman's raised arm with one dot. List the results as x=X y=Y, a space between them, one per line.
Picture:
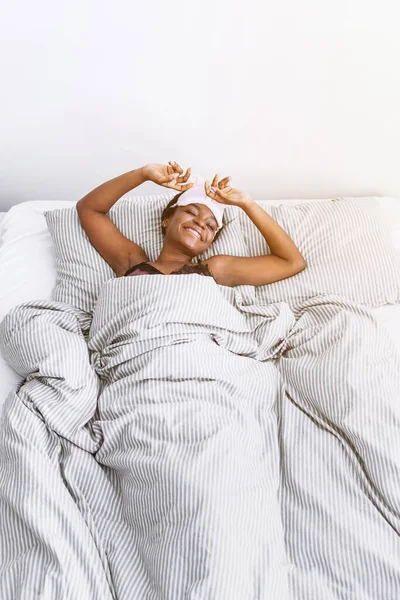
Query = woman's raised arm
x=116 y=249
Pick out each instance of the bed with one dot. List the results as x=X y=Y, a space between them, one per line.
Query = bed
x=387 y=315
x=267 y=468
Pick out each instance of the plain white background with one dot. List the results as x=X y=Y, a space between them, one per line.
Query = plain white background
x=291 y=99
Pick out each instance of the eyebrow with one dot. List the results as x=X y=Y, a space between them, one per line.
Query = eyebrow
x=212 y=217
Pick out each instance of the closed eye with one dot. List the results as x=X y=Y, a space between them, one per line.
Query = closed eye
x=192 y=213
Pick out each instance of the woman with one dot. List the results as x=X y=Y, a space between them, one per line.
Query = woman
x=179 y=226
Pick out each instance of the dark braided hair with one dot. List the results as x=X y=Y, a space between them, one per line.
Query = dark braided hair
x=170 y=210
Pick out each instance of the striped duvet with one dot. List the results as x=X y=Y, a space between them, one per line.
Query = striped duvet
x=195 y=446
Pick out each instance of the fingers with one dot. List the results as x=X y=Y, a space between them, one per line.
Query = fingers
x=178 y=169
x=218 y=187
x=175 y=166
x=208 y=189
x=223 y=183
x=214 y=184
x=183 y=187
x=184 y=177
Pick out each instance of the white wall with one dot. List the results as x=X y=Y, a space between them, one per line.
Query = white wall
x=292 y=99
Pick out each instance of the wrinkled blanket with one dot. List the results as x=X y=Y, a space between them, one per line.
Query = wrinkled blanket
x=197 y=447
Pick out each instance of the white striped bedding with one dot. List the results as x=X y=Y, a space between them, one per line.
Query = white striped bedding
x=347 y=244
x=244 y=453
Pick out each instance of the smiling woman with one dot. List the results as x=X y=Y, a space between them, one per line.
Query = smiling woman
x=188 y=228
x=193 y=209
x=188 y=231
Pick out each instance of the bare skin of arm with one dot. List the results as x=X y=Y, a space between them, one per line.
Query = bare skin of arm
x=116 y=249
x=284 y=261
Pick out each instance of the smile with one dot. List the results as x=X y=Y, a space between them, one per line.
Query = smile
x=194 y=232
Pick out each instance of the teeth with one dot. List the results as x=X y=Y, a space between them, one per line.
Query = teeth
x=194 y=231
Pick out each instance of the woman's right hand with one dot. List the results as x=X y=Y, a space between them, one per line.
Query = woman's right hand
x=168 y=176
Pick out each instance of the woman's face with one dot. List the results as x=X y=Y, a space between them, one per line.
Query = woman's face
x=196 y=216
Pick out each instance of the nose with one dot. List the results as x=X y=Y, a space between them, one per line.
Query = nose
x=199 y=222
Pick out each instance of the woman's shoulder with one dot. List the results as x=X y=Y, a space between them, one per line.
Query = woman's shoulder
x=213 y=264
x=217 y=267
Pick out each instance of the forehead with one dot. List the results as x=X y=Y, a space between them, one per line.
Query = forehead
x=204 y=209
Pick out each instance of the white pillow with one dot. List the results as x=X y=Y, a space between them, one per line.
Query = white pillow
x=27 y=258
x=349 y=247
x=389 y=208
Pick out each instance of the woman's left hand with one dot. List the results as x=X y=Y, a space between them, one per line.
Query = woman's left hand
x=224 y=193
x=169 y=176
